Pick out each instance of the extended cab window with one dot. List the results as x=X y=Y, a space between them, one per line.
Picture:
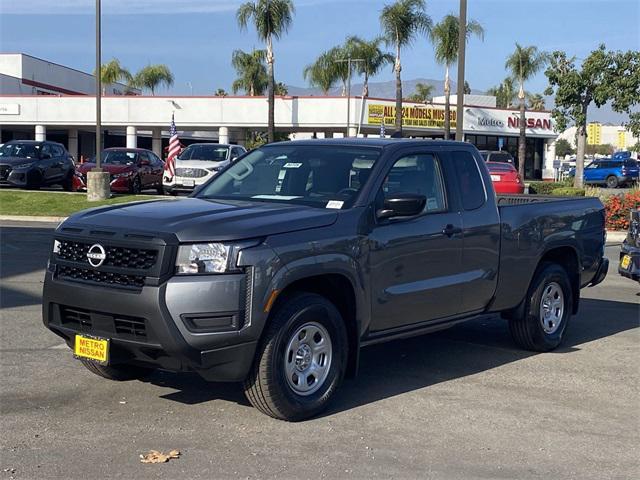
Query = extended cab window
x=471 y=185
x=420 y=174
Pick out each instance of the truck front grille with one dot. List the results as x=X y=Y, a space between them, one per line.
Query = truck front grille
x=132 y=326
x=103 y=324
x=87 y=275
x=121 y=257
x=191 y=172
x=77 y=318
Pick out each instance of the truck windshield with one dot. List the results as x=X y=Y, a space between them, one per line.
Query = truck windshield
x=319 y=175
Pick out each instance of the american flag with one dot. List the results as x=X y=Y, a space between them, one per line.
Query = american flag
x=174 y=150
x=382 y=132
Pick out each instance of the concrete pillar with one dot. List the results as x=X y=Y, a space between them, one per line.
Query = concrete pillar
x=41 y=133
x=548 y=173
x=72 y=143
x=156 y=141
x=353 y=131
x=223 y=135
x=132 y=137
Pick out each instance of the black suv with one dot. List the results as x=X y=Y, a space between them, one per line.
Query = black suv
x=33 y=164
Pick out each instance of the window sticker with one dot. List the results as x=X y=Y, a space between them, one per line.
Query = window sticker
x=335 y=204
x=432 y=203
x=292 y=165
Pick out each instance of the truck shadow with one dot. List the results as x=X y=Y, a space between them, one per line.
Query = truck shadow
x=402 y=366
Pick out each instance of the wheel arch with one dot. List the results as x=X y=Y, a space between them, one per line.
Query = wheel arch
x=567 y=257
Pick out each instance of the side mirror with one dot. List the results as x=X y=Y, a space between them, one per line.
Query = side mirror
x=402 y=205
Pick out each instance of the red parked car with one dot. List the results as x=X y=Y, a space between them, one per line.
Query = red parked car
x=132 y=169
x=505 y=178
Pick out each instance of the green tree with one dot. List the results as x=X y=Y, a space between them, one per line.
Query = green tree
x=321 y=73
x=251 y=71
x=602 y=149
x=374 y=58
x=564 y=148
x=221 y=92
x=423 y=93
x=523 y=64
x=603 y=77
x=535 y=101
x=445 y=39
x=401 y=22
x=271 y=19
x=281 y=89
x=505 y=93
x=152 y=77
x=113 y=72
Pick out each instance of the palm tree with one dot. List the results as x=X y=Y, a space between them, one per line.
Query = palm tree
x=536 y=101
x=221 y=92
x=281 y=89
x=321 y=73
x=505 y=93
x=445 y=39
x=523 y=64
x=423 y=93
x=339 y=67
x=113 y=72
x=271 y=18
x=251 y=70
x=152 y=77
x=401 y=22
x=374 y=59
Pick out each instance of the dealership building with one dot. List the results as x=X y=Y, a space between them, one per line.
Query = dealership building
x=66 y=113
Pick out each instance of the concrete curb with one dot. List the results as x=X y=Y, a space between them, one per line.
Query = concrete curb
x=30 y=218
x=614 y=237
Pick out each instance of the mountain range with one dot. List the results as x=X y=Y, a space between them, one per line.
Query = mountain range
x=603 y=115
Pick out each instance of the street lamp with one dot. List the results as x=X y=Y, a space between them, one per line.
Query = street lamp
x=97 y=180
x=462 y=41
x=349 y=61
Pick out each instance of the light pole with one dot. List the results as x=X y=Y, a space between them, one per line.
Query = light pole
x=462 y=41
x=97 y=180
x=349 y=60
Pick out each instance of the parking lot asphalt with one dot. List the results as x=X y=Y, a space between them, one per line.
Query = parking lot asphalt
x=459 y=404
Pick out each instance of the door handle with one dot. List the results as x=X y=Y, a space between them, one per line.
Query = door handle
x=449 y=230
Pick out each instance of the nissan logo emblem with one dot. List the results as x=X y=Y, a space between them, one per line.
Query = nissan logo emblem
x=96 y=255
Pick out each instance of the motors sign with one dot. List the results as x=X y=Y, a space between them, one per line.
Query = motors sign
x=426 y=117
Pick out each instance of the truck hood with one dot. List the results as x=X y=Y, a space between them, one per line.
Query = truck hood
x=196 y=220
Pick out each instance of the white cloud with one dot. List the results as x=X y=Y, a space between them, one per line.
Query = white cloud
x=127 y=7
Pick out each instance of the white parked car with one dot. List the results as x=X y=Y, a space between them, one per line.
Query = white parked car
x=198 y=163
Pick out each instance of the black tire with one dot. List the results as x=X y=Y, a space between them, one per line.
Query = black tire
x=160 y=189
x=612 y=181
x=136 y=186
x=67 y=183
x=119 y=373
x=527 y=329
x=267 y=387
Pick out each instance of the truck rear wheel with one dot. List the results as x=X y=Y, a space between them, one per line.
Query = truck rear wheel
x=547 y=310
x=301 y=359
x=118 y=373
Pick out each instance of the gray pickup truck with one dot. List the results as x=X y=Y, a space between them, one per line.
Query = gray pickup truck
x=277 y=271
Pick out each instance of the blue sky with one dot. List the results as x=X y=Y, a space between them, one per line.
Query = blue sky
x=196 y=37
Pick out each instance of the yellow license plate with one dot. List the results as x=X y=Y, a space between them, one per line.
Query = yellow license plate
x=96 y=349
x=625 y=262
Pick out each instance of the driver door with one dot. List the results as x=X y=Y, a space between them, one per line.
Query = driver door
x=415 y=262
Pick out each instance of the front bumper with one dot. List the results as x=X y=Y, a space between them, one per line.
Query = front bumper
x=185 y=184
x=195 y=324
x=633 y=270
x=16 y=177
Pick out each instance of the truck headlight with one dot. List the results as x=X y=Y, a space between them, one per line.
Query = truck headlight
x=203 y=258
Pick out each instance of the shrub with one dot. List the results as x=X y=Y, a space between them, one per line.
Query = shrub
x=617 y=208
x=545 y=188
x=568 y=192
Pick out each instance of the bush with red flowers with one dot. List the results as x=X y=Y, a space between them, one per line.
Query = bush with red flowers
x=617 y=208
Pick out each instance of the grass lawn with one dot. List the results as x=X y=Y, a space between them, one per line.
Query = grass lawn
x=55 y=204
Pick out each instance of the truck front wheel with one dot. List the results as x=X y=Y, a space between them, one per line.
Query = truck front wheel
x=301 y=359
x=116 y=372
x=547 y=310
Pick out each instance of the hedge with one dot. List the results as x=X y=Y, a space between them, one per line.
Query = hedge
x=568 y=192
x=618 y=208
x=545 y=188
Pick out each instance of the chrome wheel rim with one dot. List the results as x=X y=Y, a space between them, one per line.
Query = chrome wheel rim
x=551 y=307
x=307 y=359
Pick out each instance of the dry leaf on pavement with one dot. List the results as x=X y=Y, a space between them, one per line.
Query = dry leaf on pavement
x=155 y=456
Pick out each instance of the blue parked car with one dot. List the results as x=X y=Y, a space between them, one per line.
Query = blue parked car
x=617 y=171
